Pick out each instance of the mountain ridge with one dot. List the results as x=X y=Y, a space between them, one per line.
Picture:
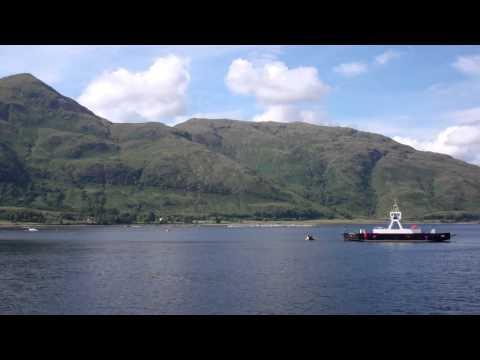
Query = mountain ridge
x=59 y=155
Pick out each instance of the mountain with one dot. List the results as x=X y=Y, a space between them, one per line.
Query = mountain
x=349 y=171
x=56 y=155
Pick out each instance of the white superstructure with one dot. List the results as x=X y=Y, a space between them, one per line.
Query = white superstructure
x=395 y=217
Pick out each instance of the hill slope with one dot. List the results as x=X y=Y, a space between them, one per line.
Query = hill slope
x=353 y=172
x=57 y=155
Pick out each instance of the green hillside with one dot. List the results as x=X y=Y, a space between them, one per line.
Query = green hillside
x=60 y=159
x=350 y=171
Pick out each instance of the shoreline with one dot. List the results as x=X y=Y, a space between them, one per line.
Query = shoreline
x=4 y=225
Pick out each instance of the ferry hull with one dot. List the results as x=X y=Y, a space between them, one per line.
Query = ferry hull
x=419 y=237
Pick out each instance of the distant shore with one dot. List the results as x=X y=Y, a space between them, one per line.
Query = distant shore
x=245 y=223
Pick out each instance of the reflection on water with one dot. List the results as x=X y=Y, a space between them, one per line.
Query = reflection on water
x=194 y=270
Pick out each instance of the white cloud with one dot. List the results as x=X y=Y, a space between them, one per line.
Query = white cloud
x=350 y=69
x=151 y=95
x=277 y=88
x=469 y=65
x=467 y=116
x=419 y=145
x=385 y=57
x=289 y=113
x=356 y=68
x=461 y=140
x=274 y=82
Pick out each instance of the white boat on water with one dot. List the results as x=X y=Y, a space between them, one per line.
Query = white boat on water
x=32 y=229
x=396 y=232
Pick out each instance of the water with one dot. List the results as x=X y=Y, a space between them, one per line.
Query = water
x=201 y=270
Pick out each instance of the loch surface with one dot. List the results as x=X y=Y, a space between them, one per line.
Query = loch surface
x=219 y=270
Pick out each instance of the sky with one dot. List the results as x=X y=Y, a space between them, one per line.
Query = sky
x=427 y=97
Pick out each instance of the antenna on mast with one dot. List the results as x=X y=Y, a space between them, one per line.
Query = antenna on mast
x=395 y=206
x=395 y=216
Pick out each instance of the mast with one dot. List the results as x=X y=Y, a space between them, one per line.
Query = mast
x=395 y=216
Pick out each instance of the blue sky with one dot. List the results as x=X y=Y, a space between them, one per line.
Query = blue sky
x=424 y=96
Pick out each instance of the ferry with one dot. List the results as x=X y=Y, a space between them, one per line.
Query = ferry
x=396 y=232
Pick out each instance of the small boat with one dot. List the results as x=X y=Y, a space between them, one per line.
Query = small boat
x=400 y=234
x=309 y=237
x=32 y=229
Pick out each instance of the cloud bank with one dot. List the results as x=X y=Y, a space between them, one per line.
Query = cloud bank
x=277 y=88
x=155 y=94
x=461 y=140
